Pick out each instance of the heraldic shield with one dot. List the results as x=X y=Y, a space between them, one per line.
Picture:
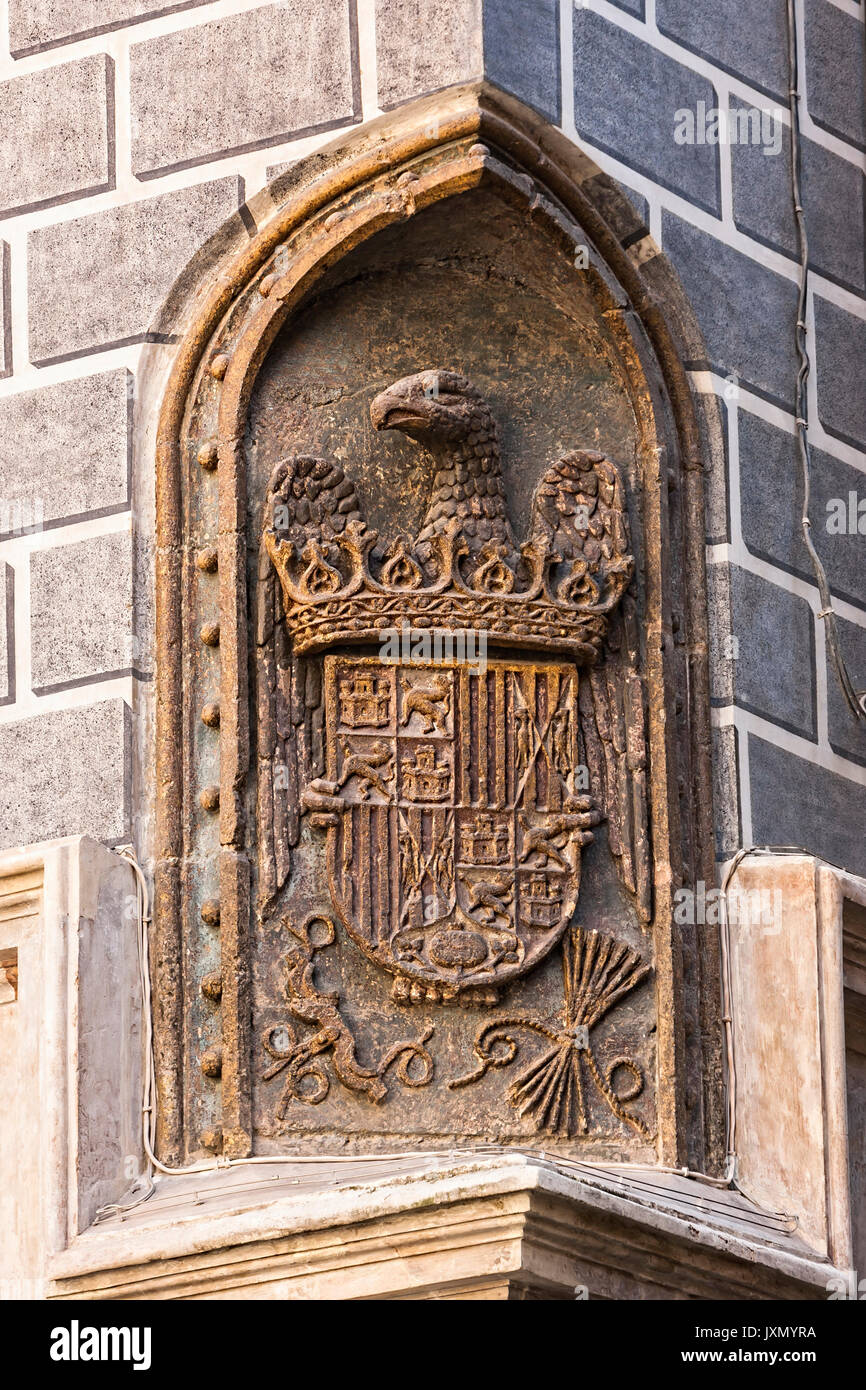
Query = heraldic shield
x=448 y=789
x=456 y=861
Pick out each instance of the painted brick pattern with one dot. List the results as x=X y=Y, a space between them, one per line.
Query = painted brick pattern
x=199 y=92
x=71 y=638
x=65 y=450
x=133 y=132
x=40 y=24
x=625 y=99
x=422 y=45
x=66 y=113
x=95 y=281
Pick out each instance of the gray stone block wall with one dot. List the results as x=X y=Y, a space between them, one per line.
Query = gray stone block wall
x=7 y=633
x=66 y=768
x=521 y=52
x=178 y=119
x=66 y=114
x=96 y=281
x=35 y=25
x=131 y=133
x=66 y=450
x=724 y=287
x=72 y=639
x=422 y=45
x=746 y=38
x=626 y=96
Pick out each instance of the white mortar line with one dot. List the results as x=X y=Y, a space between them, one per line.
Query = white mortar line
x=75 y=697
x=115 y=524
x=726 y=163
x=744 y=778
x=724 y=717
x=710 y=383
x=134 y=32
x=90 y=364
x=722 y=553
x=739 y=86
x=126 y=185
x=566 y=62
x=367 y=59
x=16 y=237
x=19 y=562
x=849 y=7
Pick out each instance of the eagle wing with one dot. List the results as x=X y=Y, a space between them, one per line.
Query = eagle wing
x=579 y=512
x=307 y=499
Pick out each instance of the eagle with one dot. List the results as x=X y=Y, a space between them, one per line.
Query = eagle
x=578 y=511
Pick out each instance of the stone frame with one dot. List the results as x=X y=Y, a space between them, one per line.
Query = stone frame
x=327 y=205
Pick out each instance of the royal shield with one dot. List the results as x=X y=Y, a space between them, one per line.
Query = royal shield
x=455 y=862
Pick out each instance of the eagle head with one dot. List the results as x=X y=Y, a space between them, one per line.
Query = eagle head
x=434 y=407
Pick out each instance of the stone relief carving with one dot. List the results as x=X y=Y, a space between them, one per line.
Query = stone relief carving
x=597 y=973
x=448 y=795
x=306 y=1079
x=276 y=587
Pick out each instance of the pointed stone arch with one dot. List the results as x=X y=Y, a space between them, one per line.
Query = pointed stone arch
x=310 y=219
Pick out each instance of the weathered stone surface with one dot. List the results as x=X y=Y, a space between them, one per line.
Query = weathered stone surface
x=80 y=610
x=847 y=734
x=635 y=7
x=7 y=657
x=422 y=45
x=65 y=450
x=65 y=775
x=795 y=802
x=180 y=119
x=724 y=287
x=745 y=37
x=771 y=500
x=54 y=134
x=521 y=51
x=626 y=95
x=103 y=279
x=638 y=202
x=833 y=199
x=712 y=417
x=35 y=24
x=840 y=350
x=726 y=791
x=762 y=649
x=834 y=70
x=5 y=312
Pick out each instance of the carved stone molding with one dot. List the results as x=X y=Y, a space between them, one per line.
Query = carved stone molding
x=226 y=827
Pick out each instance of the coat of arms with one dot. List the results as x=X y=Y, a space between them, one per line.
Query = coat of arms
x=448 y=789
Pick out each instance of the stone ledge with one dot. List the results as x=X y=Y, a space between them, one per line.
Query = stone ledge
x=514 y=1225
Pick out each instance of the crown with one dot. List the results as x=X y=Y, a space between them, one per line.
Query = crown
x=352 y=590
x=464 y=570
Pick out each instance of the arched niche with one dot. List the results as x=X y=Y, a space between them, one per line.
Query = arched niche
x=460 y=233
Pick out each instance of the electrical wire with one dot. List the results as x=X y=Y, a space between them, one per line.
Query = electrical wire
x=855 y=700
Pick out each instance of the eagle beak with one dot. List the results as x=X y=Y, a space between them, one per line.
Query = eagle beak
x=393 y=412
x=380 y=408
